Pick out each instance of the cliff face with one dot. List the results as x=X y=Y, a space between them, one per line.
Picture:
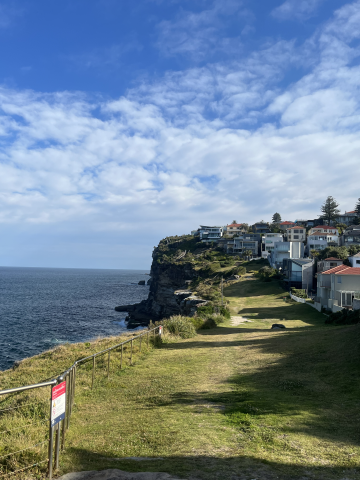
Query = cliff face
x=168 y=295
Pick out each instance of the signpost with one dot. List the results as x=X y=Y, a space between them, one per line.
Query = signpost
x=58 y=402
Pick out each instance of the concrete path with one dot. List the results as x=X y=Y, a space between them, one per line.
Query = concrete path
x=115 y=474
x=235 y=321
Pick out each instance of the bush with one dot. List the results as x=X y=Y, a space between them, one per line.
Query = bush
x=344 y=317
x=179 y=326
x=213 y=321
x=266 y=273
x=209 y=310
x=300 y=293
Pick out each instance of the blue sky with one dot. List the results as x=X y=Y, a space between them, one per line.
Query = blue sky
x=122 y=122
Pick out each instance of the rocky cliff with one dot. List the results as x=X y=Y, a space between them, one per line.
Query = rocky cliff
x=169 y=294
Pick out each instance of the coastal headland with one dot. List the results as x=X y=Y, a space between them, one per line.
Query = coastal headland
x=239 y=401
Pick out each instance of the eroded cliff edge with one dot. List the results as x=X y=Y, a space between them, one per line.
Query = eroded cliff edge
x=172 y=271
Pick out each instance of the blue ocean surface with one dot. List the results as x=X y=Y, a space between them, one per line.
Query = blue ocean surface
x=43 y=307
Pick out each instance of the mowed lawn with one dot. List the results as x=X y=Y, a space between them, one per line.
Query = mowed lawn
x=235 y=402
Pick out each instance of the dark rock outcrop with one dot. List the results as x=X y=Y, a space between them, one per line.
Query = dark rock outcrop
x=168 y=294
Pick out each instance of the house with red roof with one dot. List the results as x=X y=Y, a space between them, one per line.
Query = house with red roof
x=317 y=240
x=337 y=287
x=235 y=229
x=328 y=263
x=286 y=224
x=296 y=234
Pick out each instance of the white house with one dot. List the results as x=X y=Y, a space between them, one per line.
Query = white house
x=355 y=260
x=324 y=229
x=210 y=234
x=269 y=240
x=337 y=287
x=284 y=250
x=318 y=241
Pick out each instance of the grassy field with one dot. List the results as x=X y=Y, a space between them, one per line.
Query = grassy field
x=234 y=402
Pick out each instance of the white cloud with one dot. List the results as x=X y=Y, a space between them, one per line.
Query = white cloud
x=200 y=146
x=199 y=34
x=296 y=9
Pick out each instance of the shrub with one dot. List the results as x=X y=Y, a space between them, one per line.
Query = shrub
x=266 y=273
x=213 y=321
x=298 y=292
x=344 y=317
x=209 y=310
x=179 y=326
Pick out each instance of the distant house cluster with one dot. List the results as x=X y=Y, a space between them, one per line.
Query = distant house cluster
x=292 y=249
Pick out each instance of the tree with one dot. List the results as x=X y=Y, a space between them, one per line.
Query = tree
x=234 y=222
x=329 y=210
x=276 y=218
x=354 y=249
x=337 y=252
x=341 y=227
x=357 y=207
x=314 y=253
x=248 y=253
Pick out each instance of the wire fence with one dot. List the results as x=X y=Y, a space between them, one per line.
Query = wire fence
x=34 y=419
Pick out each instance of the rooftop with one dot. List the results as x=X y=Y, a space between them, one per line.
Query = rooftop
x=333 y=259
x=287 y=223
x=342 y=270
x=325 y=227
x=235 y=225
x=337 y=269
x=291 y=228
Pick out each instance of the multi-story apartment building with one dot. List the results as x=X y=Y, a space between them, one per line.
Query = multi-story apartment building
x=210 y=234
x=296 y=234
x=261 y=227
x=284 y=250
x=299 y=273
x=347 y=217
x=249 y=241
x=351 y=236
x=318 y=241
x=269 y=240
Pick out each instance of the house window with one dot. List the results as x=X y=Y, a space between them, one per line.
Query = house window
x=296 y=237
x=357 y=261
x=338 y=279
x=296 y=231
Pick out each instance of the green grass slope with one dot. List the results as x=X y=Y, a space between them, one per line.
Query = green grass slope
x=239 y=402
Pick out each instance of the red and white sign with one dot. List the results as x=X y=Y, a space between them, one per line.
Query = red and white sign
x=58 y=403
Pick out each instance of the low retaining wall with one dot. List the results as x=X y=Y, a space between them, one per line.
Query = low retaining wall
x=298 y=299
x=303 y=300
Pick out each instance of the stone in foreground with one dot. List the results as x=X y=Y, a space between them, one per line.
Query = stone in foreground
x=278 y=326
x=115 y=474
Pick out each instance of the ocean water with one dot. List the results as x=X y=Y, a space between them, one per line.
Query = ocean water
x=43 y=307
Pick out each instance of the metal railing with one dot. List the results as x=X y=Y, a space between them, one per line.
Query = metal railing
x=54 y=434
